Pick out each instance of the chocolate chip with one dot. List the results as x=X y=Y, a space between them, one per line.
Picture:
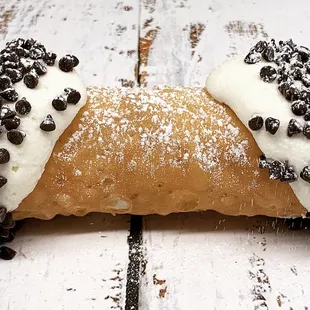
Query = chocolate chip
x=305 y=96
x=28 y=44
x=306 y=81
x=10 y=65
x=21 y=52
x=297 y=74
x=289 y=175
x=14 y=74
x=16 y=136
x=49 y=58
x=7 y=253
x=303 y=54
x=4 y=233
x=263 y=163
x=276 y=170
x=268 y=74
x=293 y=128
x=4 y=158
x=268 y=54
x=252 y=58
x=31 y=79
x=305 y=174
x=73 y=96
x=23 y=106
x=5 y=82
x=256 y=123
x=260 y=46
x=9 y=94
x=39 y=67
x=306 y=131
x=48 y=124
x=6 y=112
x=3 y=212
x=75 y=59
x=3 y=181
x=307 y=116
x=66 y=64
x=8 y=221
x=36 y=52
x=15 y=43
x=25 y=66
x=11 y=123
x=59 y=103
x=299 y=107
x=272 y=125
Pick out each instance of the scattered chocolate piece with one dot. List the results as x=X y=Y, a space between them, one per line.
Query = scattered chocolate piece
x=49 y=58
x=4 y=158
x=4 y=233
x=36 y=52
x=48 y=124
x=268 y=74
x=14 y=74
x=16 y=136
x=22 y=106
x=3 y=212
x=10 y=65
x=306 y=131
x=3 y=181
x=59 y=103
x=276 y=170
x=66 y=63
x=299 y=107
x=73 y=96
x=28 y=44
x=39 y=67
x=268 y=54
x=289 y=175
x=25 y=65
x=307 y=116
x=272 y=125
x=21 y=52
x=7 y=253
x=263 y=163
x=31 y=79
x=303 y=54
x=8 y=222
x=5 y=82
x=256 y=123
x=11 y=123
x=305 y=174
x=252 y=58
x=293 y=128
x=6 y=112
x=260 y=46
x=9 y=94
x=75 y=59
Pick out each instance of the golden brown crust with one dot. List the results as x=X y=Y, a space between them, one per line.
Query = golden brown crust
x=159 y=151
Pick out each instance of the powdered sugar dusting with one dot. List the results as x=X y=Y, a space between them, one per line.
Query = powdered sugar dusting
x=167 y=126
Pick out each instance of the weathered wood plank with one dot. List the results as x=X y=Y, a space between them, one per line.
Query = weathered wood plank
x=76 y=263
x=204 y=261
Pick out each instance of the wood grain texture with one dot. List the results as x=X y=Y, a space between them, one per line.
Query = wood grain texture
x=208 y=261
x=73 y=263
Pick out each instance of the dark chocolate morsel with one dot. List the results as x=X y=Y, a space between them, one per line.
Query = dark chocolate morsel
x=31 y=79
x=23 y=106
x=73 y=96
x=25 y=65
x=66 y=64
x=272 y=125
x=256 y=123
x=11 y=57
x=260 y=46
x=268 y=74
x=8 y=222
x=306 y=80
x=305 y=174
x=3 y=181
x=307 y=116
x=3 y=211
x=7 y=253
x=14 y=74
x=9 y=94
x=5 y=82
x=4 y=157
x=306 y=131
x=276 y=170
x=39 y=67
x=48 y=124
x=59 y=103
x=263 y=163
x=289 y=175
x=36 y=52
x=16 y=136
x=4 y=233
x=252 y=58
x=21 y=52
x=10 y=65
x=28 y=44
x=293 y=128
x=75 y=60
x=6 y=112
x=11 y=123
x=268 y=54
x=303 y=54
x=49 y=58
x=299 y=107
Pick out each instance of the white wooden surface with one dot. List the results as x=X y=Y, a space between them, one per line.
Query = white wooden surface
x=73 y=263
x=209 y=261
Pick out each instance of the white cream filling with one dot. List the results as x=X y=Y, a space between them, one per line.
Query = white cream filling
x=239 y=86
x=28 y=159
